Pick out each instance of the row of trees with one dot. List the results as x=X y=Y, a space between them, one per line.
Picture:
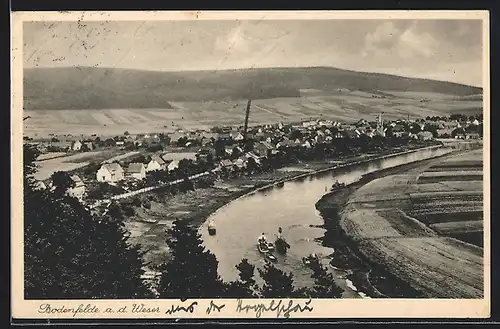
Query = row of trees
x=336 y=148
x=73 y=253
x=457 y=116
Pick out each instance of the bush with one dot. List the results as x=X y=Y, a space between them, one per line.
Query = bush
x=136 y=202
x=128 y=210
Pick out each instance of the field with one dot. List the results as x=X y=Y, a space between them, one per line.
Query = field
x=439 y=267
x=71 y=162
x=450 y=191
x=50 y=155
x=458 y=227
x=364 y=223
x=427 y=233
x=345 y=106
x=179 y=155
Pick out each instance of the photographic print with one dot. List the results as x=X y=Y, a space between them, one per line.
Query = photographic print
x=250 y=164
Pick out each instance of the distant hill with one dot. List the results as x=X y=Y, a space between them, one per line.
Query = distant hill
x=100 y=88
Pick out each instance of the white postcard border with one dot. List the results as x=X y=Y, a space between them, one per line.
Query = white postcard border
x=322 y=308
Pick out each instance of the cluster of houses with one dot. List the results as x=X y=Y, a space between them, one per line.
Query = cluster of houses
x=114 y=172
x=225 y=147
x=78 y=190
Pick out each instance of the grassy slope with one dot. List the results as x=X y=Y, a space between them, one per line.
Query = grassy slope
x=100 y=88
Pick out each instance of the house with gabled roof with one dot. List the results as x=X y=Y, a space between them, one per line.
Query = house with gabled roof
x=175 y=137
x=425 y=135
x=254 y=156
x=287 y=143
x=226 y=163
x=156 y=163
x=240 y=163
x=136 y=170
x=110 y=172
x=76 y=145
x=223 y=136
x=78 y=190
x=263 y=148
x=237 y=136
x=172 y=165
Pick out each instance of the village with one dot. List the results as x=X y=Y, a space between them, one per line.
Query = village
x=229 y=151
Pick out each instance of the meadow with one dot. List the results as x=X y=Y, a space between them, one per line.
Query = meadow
x=346 y=105
x=47 y=166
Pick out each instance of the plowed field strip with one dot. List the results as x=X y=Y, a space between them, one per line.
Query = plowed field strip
x=432 y=265
x=458 y=227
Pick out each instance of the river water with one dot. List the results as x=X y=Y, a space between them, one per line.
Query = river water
x=291 y=206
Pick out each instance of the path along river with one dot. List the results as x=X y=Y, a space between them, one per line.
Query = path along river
x=291 y=206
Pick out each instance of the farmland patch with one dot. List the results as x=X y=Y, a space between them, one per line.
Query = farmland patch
x=438 y=267
x=452 y=214
x=458 y=227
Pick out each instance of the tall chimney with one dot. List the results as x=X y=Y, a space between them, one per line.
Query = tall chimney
x=246 y=121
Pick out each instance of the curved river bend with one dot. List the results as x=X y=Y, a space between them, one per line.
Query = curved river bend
x=291 y=206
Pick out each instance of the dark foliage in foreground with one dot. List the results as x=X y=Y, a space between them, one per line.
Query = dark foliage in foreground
x=69 y=253
x=192 y=273
x=72 y=253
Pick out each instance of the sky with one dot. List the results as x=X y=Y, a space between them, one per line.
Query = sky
x=448 y=50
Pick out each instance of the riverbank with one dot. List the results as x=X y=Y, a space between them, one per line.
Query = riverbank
x=155 y=212
x=369 y=276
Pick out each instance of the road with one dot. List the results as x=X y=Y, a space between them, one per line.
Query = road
x=146 y=189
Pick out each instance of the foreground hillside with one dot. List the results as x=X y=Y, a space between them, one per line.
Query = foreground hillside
x=104 y=88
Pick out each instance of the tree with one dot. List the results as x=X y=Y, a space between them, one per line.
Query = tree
x=182 y=141
x=324 y=284
x=192 y=271
x=245 y=286
x=140 y=159
x=154 y=148
x=219 y=146
x=62 y=182
x=235 y=154
x=389 y=133
x=364 y=142
x=277 y=284
x=210 y=163
x=159 y=176
x=70 y=253
x=251 y=165
x=85 y=148
x=248 y=145
x=294 y=134
x=377 y=142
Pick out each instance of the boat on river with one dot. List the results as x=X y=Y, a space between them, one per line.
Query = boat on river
x=281 y=246
x=266 y=251
x=309 y=259
x=211 y=228
x=337 y=185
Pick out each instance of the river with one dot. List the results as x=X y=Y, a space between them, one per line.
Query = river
x=291 y=206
